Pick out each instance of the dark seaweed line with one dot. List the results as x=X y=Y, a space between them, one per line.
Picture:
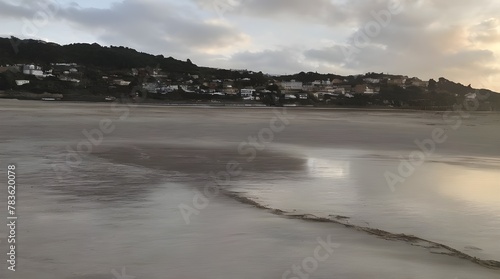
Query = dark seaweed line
x=413 y=240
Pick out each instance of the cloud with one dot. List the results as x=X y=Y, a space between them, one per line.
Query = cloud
x=273 y=61
x=20 y=9
x=156 y=26
x=422 y=44
x=324 y=11
x=487 y=32
x=165 y=26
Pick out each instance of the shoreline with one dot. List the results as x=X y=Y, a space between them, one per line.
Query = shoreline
x=248 y=105
x=386 y=235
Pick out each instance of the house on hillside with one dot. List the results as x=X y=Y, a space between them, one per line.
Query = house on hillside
x=248 y=94
x=31 y=69
x=417 y=82
x=291 y=85
x=397 y=81
x=365 y=89
x=21 y=82
x=372 y=80
x=303 y=96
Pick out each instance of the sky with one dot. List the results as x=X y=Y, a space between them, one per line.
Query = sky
x=455 y=39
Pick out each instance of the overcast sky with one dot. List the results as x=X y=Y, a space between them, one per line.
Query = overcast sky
x=457 y=39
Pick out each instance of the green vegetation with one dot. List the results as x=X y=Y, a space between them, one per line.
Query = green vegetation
x=91 y=55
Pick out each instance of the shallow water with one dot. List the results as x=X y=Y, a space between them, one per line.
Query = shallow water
x=443 y=201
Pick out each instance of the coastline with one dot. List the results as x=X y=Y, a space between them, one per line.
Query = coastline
x=101 y=100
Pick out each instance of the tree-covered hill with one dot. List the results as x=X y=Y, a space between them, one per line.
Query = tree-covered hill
x=14 y=51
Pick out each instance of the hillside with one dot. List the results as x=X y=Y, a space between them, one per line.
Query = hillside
x=15 y=51
x=94 y=72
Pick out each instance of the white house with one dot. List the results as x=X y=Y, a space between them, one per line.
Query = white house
x=292 y=85
x=303 y=96
x=369 y=91
x=32 y=70
x=247 y=93
x=21 y=82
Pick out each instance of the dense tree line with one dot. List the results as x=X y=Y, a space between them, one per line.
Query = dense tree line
x=14 y=51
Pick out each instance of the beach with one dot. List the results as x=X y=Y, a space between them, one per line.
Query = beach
x=221 y=192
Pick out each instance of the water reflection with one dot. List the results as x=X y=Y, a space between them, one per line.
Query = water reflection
x=478 y=187
x=324 y=168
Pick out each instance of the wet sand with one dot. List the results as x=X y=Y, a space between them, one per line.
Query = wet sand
x=119 y=207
